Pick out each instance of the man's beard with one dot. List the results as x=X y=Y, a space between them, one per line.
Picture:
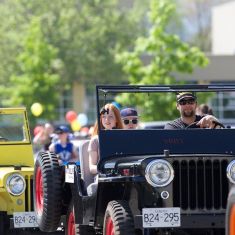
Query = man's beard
x=188 y=114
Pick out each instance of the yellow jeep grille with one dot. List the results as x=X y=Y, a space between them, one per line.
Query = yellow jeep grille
x=29 y=193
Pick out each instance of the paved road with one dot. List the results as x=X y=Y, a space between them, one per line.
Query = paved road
x=20 y=232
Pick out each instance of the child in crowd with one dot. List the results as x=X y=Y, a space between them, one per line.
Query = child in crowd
x=64 y=149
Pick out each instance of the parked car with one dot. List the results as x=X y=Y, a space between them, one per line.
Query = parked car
x=16 y=171
x=150 y=181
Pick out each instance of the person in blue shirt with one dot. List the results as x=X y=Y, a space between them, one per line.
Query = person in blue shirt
x=63 y=148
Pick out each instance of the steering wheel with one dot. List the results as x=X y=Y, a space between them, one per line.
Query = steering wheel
x=3 y=139
x=217 y=125
x=193 y=125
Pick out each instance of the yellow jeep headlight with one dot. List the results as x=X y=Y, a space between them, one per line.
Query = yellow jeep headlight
x=16 y=184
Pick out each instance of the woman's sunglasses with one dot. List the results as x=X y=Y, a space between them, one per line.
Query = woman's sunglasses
x=189 y=101
x=127 y=121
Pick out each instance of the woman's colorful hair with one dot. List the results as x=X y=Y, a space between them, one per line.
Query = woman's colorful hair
x=105 y=109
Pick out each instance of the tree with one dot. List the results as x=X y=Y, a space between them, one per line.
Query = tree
x=167 y=55
x=11 y=35
x=37 y=79
x=84 y=33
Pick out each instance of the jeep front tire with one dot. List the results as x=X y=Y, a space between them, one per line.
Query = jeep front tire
x=118 y=219
x=47 y=191
x=230 y=213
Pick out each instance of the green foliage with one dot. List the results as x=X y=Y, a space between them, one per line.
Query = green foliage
x=47 y=45
x=37 y=79
x=167 y=55
x=10 y=42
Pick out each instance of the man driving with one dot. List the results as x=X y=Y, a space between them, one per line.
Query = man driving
x=187 y=104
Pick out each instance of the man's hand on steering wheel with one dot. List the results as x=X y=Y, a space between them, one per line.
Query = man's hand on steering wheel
x=209 y=121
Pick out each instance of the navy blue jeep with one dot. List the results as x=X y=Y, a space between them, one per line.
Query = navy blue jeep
x=154 y=181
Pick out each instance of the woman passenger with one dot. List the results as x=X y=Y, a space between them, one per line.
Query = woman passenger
x=109 y=119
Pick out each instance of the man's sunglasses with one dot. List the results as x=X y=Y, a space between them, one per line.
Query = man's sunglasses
x=127 y=121
x=184 y=102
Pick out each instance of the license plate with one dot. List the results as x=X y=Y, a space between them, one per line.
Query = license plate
x=161 y=217
x=69 y=174
x=24 y=219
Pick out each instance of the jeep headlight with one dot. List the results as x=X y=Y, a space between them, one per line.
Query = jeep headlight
x=231 y=171
x=16 y=184
x=159 y=173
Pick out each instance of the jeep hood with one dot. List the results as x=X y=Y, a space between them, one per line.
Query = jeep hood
x=12 y=155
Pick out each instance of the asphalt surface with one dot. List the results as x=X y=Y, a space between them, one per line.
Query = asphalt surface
x=21 y=232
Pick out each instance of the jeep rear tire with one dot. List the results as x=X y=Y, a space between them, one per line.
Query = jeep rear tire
x=70 y=228
x=230 y=213
x=70 y=221
x=118 y=219
x=47 y=191
x=84 y=230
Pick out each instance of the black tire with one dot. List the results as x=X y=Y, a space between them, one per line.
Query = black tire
x=230 y=213
x=48 y=197
x=70 y=220
x=84 y=230
x=118 y=217
x=2 y=224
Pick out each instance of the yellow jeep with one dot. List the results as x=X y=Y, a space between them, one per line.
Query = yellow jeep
x=16 y=171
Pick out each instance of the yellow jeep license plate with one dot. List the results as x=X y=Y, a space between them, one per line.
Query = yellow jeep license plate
x=24 y=220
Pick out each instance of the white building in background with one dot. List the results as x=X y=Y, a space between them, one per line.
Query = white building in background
x=222 y=56
x=221 y=67
x=223 y=46
x=223 y=30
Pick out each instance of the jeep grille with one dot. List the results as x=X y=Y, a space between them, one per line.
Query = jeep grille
x=200 y=184
x=29 y=193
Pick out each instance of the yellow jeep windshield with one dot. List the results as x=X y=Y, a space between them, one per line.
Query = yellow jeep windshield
x=13 y=126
